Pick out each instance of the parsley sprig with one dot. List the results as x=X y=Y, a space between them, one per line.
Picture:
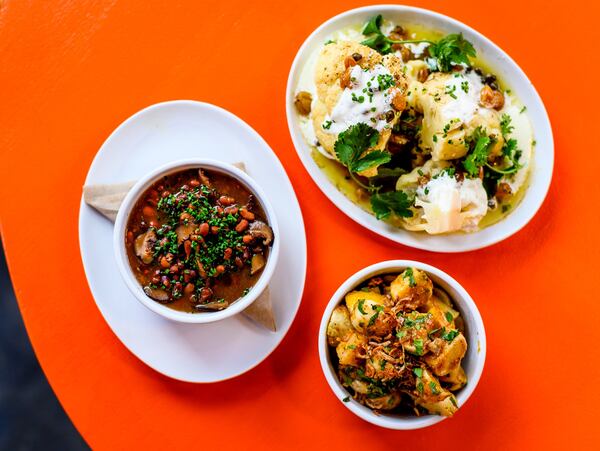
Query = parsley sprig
x=350 y=149
x=452 y=50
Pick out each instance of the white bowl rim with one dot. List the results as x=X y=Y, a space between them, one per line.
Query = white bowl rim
x=458 y=243
x=365 y=413
x=121 y=253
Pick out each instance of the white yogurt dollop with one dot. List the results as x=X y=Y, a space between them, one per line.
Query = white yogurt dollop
x=464 y=91
x=449 y=205
x=367 y=100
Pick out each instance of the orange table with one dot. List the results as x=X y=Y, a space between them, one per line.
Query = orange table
x=71 y=71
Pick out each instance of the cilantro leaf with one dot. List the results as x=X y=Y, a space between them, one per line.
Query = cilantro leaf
x=479 y=155
x=373 y=25
x=397 y=202
x=353 y=142
x=451 y=50
x=371 y=159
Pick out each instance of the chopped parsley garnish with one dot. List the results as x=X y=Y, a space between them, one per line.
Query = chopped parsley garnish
x=360 y=306
x=408 y=274
x=434 y=388
x=418 y=343
x=449 y=317
x=327 y=125
x=385 y=81
x=346 y=399
x=464 y=85
x=378 y=309
x=359 y=99
x=450 y=335
x=450 y=90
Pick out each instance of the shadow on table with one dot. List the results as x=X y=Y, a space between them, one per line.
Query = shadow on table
x=31 y=417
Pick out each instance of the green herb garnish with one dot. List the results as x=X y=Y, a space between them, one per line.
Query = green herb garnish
x=449 y=51
x=452 y=50
x=450 y=335
x=479 y=155
x=397 y=202
x=418 y=343
x=408 y=274
x=434 y=388
x=360 y=306
x=354 y=142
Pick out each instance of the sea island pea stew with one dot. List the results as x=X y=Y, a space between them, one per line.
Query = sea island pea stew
x=197 y=240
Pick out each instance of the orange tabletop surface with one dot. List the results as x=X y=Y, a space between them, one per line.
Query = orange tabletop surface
x=71 y=71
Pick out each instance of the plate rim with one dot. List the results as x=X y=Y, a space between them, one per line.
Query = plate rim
x=83 y=207
x=363 y=218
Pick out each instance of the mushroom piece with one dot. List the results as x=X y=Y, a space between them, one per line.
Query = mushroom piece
x=157 y=294
x=257 y=263
x=144 y=246
x=184 y=231
x=212 y=306
x=259 y=229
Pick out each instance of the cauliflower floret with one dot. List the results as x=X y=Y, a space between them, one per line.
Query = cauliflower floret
x=411 y=289
x=451 y=113
x=356 y=84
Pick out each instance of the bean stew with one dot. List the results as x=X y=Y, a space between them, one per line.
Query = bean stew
x=197 y=240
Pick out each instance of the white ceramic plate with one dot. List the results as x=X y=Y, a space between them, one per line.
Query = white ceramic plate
x=191 y=352
x=503 y=65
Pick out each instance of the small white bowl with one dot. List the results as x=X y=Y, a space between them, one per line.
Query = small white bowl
x=543 y=156
x=474 y=333
x=121 y=252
